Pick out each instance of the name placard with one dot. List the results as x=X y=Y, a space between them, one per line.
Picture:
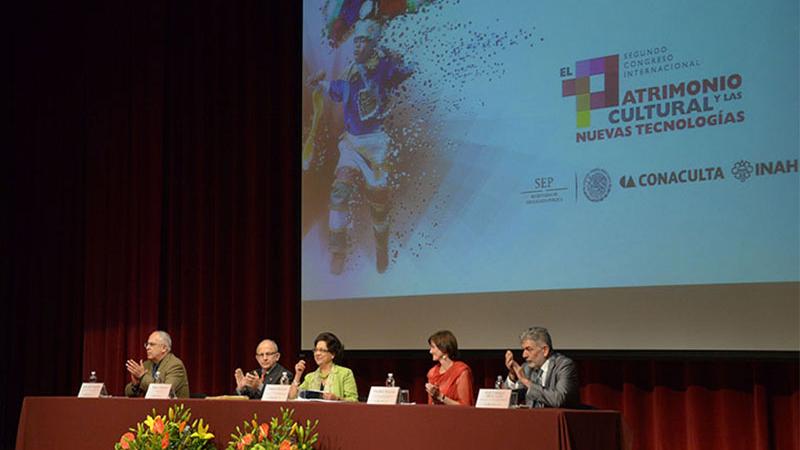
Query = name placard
x=383 y=395
x=494 y=398
x=158 y=390
x=275 y=393
x=92 y=390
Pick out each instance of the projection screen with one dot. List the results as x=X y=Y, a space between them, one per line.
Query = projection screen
x=624 y=173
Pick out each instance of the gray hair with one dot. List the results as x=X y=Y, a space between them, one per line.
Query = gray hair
x=540 y=335
x=164 y=336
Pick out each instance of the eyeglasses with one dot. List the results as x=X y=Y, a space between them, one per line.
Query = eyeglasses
x=266 y=354
x=150 y=344
x=321 y=350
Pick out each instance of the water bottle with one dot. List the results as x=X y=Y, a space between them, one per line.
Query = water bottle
x=157 y=377
x=390 y=380
x=285 y=379
x=93 y=377
x=499 y=384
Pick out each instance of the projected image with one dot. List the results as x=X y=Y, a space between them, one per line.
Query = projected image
x=463 y=146
x=363 y=167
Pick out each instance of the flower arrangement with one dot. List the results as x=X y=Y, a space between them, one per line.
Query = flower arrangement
x=283 y=434
x=172 y=431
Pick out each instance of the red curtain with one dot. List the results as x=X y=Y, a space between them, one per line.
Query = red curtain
x=153 y=182
x=190 y=182
x=695 y=404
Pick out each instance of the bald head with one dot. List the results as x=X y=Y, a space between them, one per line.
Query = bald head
x=267 y=354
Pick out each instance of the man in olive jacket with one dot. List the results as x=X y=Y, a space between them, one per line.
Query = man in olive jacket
x=161 y=361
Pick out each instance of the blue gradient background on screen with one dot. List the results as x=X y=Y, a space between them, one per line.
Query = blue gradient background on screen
x=491 y=134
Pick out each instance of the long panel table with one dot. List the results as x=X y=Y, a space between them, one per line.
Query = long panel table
x=88 y=424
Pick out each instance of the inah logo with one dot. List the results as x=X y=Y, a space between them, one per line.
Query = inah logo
x=595 y=86
x=742 y=170
x=596 y=185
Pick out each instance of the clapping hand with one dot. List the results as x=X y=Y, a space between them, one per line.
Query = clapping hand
x=253 y=380
x=514 y=369
x=136 y=370
x=433 y=390
x=240 y=380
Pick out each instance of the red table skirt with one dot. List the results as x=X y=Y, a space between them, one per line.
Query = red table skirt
x=88 y=424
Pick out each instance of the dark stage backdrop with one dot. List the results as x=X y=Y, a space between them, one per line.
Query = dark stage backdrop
x=151 y=181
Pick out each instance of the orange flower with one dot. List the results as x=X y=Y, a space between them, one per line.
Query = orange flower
x=248 y=439
x=182 y=426
x=158 y=426
x=286 y=445
x=165 y=441
x=126 y=439
x=240 y=445
x=264 y=431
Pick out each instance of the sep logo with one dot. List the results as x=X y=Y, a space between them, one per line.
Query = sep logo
x=543 y=182
x=546 y=189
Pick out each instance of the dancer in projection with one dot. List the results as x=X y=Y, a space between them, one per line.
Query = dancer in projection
x=363 y=146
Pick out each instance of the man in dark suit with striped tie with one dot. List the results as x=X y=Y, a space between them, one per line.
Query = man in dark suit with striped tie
x=269 y=372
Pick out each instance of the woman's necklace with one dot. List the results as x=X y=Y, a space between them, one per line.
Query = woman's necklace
x=323 y=378
x=325 y=373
